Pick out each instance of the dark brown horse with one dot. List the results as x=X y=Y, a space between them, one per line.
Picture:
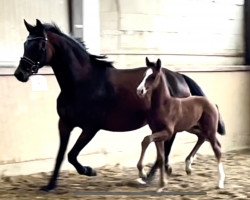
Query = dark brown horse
x=94 y=95
x=168 y=115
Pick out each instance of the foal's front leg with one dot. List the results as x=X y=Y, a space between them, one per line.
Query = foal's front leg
x=167 y=148
x=144 y=145
x=161 y=162
x=159 y=137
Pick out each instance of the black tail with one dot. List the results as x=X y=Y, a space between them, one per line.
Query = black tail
x=221 y=126
x=197 y=91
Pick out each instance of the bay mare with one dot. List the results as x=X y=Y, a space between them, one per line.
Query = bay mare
x=94 y=95
x=168 y=115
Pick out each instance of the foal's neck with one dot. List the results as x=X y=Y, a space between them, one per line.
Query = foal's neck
x=161 y=94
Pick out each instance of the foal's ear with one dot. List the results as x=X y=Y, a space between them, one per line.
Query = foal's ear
x=28 y=26
x=158 y=65
x=147 y=62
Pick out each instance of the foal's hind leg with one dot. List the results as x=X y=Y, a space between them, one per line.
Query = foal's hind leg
x=190 y=157
x=81 y=142
x=217 y=151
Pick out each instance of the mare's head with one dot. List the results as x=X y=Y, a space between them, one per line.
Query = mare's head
x=35 y=53
x=151 y=78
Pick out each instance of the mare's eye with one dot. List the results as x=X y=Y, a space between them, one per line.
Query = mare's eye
x=43 y=45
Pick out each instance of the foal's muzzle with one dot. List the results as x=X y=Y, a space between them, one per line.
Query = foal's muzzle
x=141 y=92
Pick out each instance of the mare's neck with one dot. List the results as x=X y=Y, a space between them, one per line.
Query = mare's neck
x=70 y=66
x=161 y=94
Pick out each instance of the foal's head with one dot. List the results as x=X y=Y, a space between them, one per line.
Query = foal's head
x=151 y=78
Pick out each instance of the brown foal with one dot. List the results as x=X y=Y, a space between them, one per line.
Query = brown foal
x=168 y=115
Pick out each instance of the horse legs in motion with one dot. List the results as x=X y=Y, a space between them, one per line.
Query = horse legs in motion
x=82 y=141
x=159 y=139
x=167 y=148
x=168 y=115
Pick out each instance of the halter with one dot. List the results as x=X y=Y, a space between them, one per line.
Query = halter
x=34 y=65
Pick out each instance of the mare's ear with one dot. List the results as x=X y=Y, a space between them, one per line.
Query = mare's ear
x=39 y=25
x=158 y=65
x=29 y=27
x=147 y=62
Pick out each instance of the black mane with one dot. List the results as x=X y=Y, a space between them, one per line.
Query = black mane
x=97 y=60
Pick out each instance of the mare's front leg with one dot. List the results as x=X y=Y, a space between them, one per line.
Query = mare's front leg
x=64 y=133
x=167 y=148
x=81 y=142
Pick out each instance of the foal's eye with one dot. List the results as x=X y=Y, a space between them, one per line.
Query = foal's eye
x=151 y=78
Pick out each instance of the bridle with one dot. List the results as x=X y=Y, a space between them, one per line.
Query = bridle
x=35 y=65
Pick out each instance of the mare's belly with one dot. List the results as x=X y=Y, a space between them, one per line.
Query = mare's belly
x=123 y=121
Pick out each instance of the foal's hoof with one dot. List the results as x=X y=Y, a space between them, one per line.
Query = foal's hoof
x=141 y=181
x=188 y=171
x=149 y=178
x=87 y=171
x=159 y=190
x=142 y=174
x=221 y=185
x=168 y=170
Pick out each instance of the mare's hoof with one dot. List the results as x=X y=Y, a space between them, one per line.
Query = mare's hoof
x=168 y=170
x=87 y=171
x=48 y=188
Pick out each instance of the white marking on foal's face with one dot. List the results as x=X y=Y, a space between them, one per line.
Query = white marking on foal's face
x=141 y=89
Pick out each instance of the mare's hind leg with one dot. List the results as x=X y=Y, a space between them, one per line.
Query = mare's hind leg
x=190 y=157
x=167 y=148
x=81 y=142
x=64 y=132
x=217 y=151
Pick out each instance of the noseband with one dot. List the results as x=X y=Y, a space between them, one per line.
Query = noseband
x=34 y=66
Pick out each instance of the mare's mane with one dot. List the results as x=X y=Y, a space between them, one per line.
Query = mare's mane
x=96 y=60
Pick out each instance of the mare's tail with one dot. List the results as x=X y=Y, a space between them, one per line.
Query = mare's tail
x=197 y=91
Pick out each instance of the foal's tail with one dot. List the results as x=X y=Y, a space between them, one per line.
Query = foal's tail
x=197 y=91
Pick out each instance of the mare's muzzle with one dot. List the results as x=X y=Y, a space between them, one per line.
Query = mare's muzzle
x=21 y=75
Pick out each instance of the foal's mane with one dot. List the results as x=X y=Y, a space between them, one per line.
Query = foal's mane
x=96 y=60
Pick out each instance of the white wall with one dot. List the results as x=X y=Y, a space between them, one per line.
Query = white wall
x=13 y=32
x=187 y=32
